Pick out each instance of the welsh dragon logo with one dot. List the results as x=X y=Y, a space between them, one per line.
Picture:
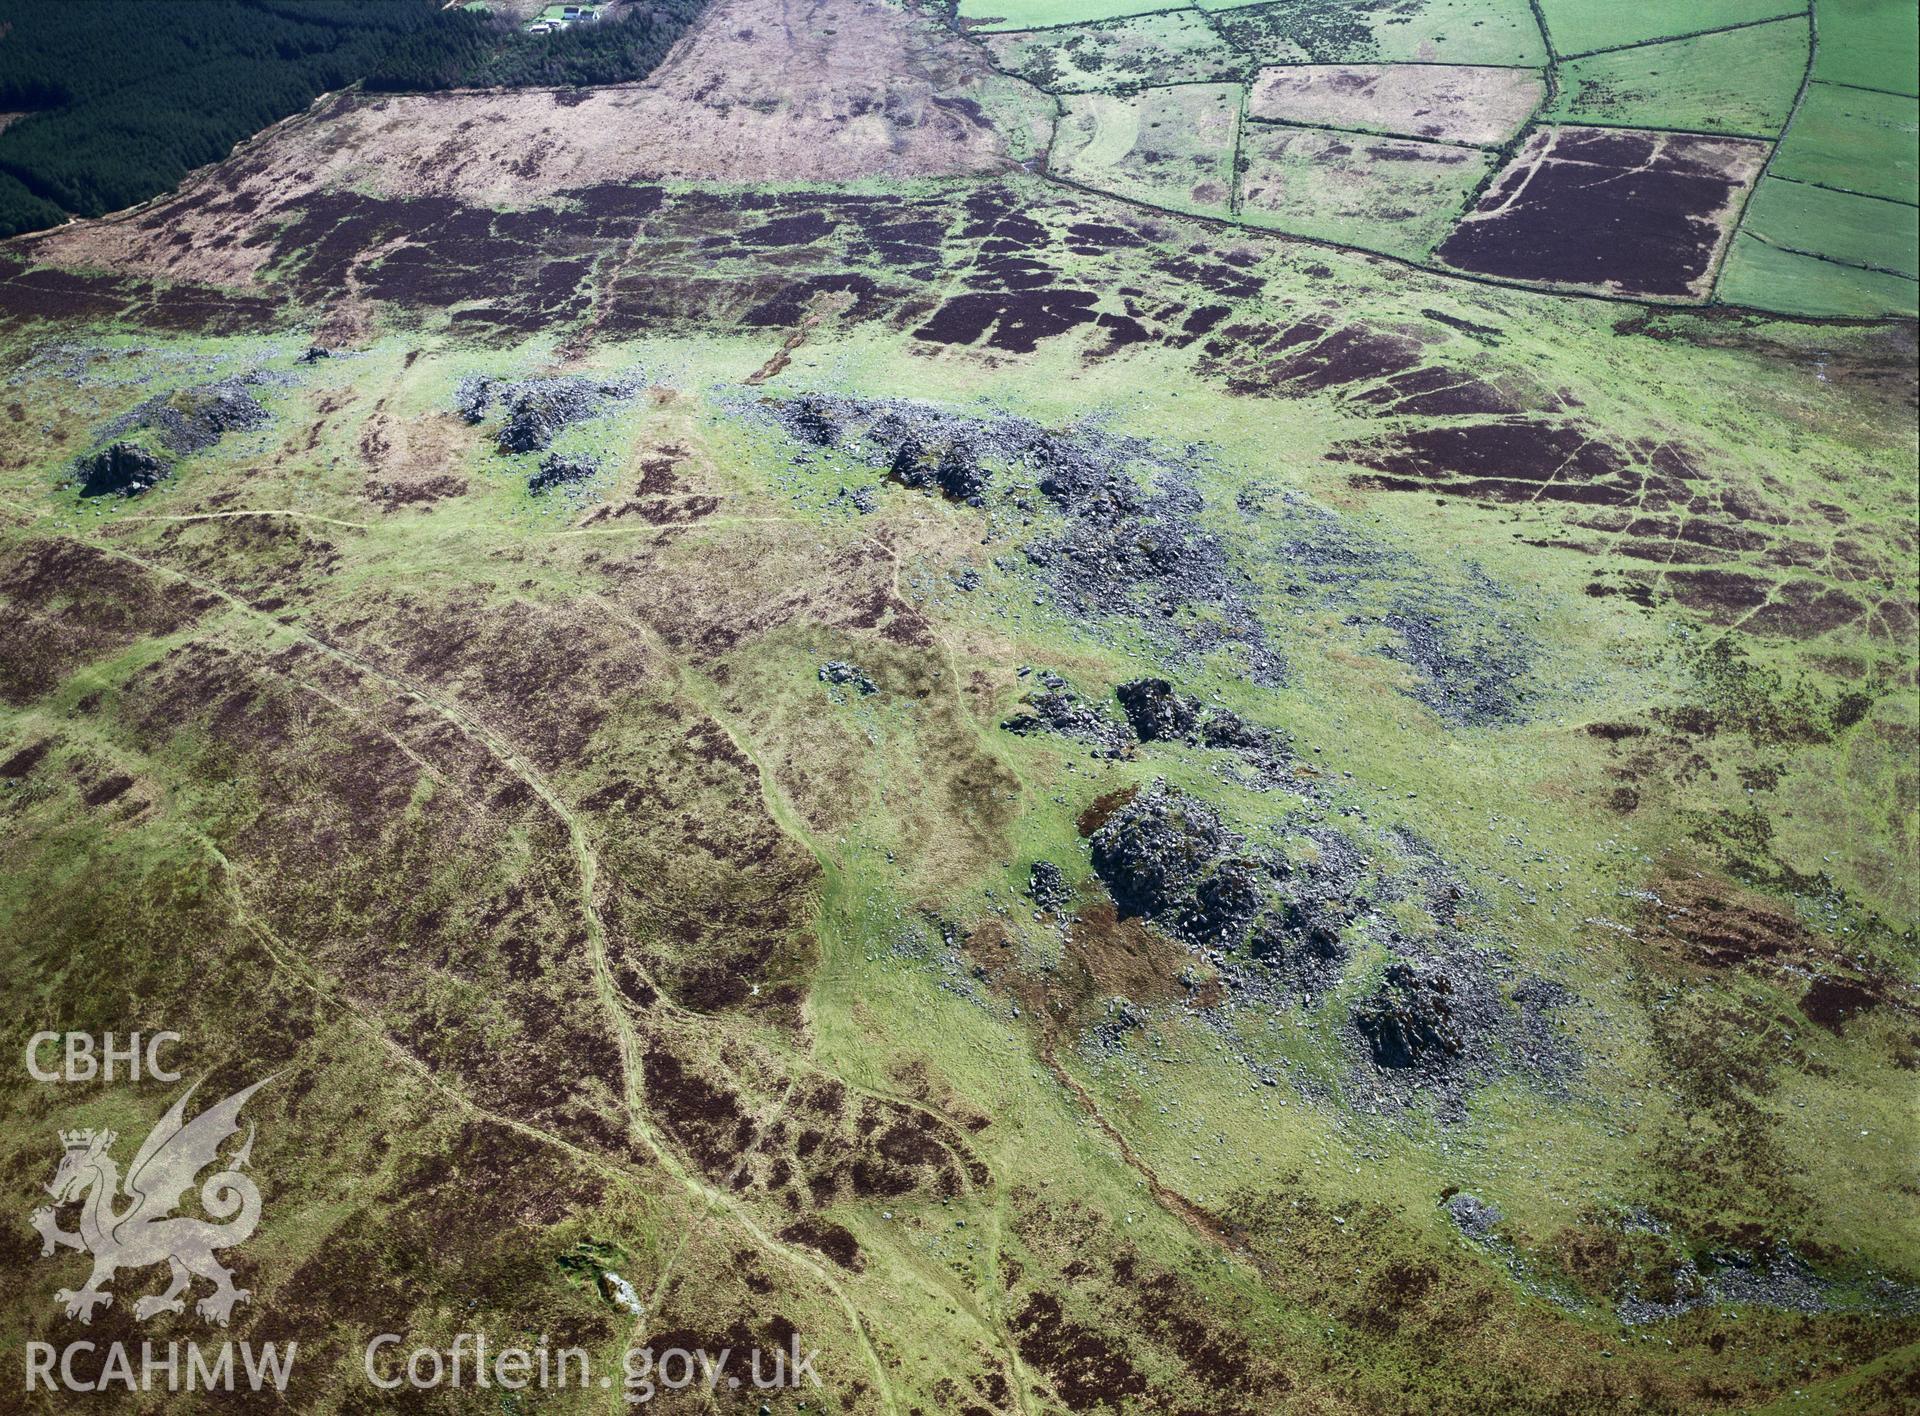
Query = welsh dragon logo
x=145 y=1231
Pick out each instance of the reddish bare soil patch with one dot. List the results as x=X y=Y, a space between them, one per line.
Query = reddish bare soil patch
x=1102 y=808
x=1703 y=923
x=411 y=461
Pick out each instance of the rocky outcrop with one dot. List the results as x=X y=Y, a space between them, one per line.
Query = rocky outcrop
x=1409 y=1020
x=124 y=469
x=841 y=674
x=535 y=411
x=558 y=471
x=1058 y=709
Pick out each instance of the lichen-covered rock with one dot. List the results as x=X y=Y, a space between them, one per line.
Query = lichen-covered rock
x=1166 y=855
x=474 y=397
x=813 y=419
x=537 y=410
x=960 y=475
x=192 y=420
x=1298 y=933
x=1160 y=713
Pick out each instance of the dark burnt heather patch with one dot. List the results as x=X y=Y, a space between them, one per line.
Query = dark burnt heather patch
x=474 y=1202
x=29 y=296
x=711 y=897
x=1725 y=551
x=382 y=863
x=1638 y=213
x=547 y=675
x=1011 y=256
x=1702 y=928
x=1330 y=34
x=1505 y=461
x=63 y=604
x=1087 y=1367
x=1386 y=1280
x=834 y=1240
x=1739 y=694
x=1125 y=1332
x=266 y=560
x=21 y=764
x=748 y=1122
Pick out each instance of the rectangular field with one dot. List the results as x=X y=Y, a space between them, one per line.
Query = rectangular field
x=1740 y=82
x=1443 y=102
x=1396 y=31
x=1169 y=147
x=1860 y=231
x=1176 y=47
x=1617 y=210
x=1581 y=26
x=1382 y=194
x=1032 y=14
x=1871 y=43
x=1767 y=278
x=1854 y=140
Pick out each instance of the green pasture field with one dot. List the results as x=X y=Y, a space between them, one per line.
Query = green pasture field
x=1869 y=43
x=1334 y=186
x=1739 y=81
x=1029 y=14
x=1355 y=32
x=1768 y=278
x=1858 y=231
x=1176 y=47
x=1854 y=140
x=1170 y=147
x=1582 y=26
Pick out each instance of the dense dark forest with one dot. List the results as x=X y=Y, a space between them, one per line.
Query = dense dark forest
x=122 y=98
